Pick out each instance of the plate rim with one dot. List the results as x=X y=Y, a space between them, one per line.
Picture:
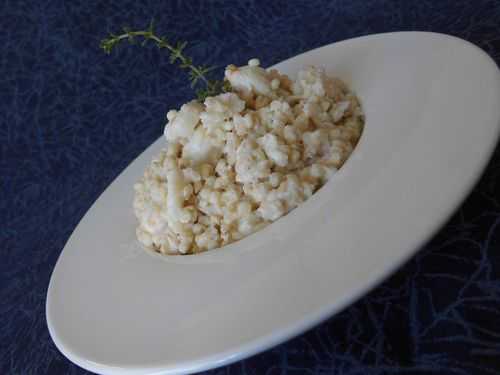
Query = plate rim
x=276 y=337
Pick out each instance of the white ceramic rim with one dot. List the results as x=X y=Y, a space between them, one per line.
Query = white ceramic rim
x=279 y=336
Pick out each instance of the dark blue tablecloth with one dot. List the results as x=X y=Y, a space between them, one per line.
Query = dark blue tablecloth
x=72 y=118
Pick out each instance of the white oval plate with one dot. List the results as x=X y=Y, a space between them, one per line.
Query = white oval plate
x=432 y=121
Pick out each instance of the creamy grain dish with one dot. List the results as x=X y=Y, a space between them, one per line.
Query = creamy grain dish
x=242 y=159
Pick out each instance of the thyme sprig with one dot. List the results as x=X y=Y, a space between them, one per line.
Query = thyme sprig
x=196 y=74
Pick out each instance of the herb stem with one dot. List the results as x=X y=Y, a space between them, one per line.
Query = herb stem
x=162 y=43
x=196 y=73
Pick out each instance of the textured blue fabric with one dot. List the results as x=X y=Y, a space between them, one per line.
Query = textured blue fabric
x=72 y=118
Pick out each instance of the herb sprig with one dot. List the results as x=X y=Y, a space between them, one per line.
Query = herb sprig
x=197 y=74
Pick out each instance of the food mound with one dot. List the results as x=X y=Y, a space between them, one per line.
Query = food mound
x=242 y=159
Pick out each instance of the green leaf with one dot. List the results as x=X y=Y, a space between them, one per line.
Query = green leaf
x=151 y=26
